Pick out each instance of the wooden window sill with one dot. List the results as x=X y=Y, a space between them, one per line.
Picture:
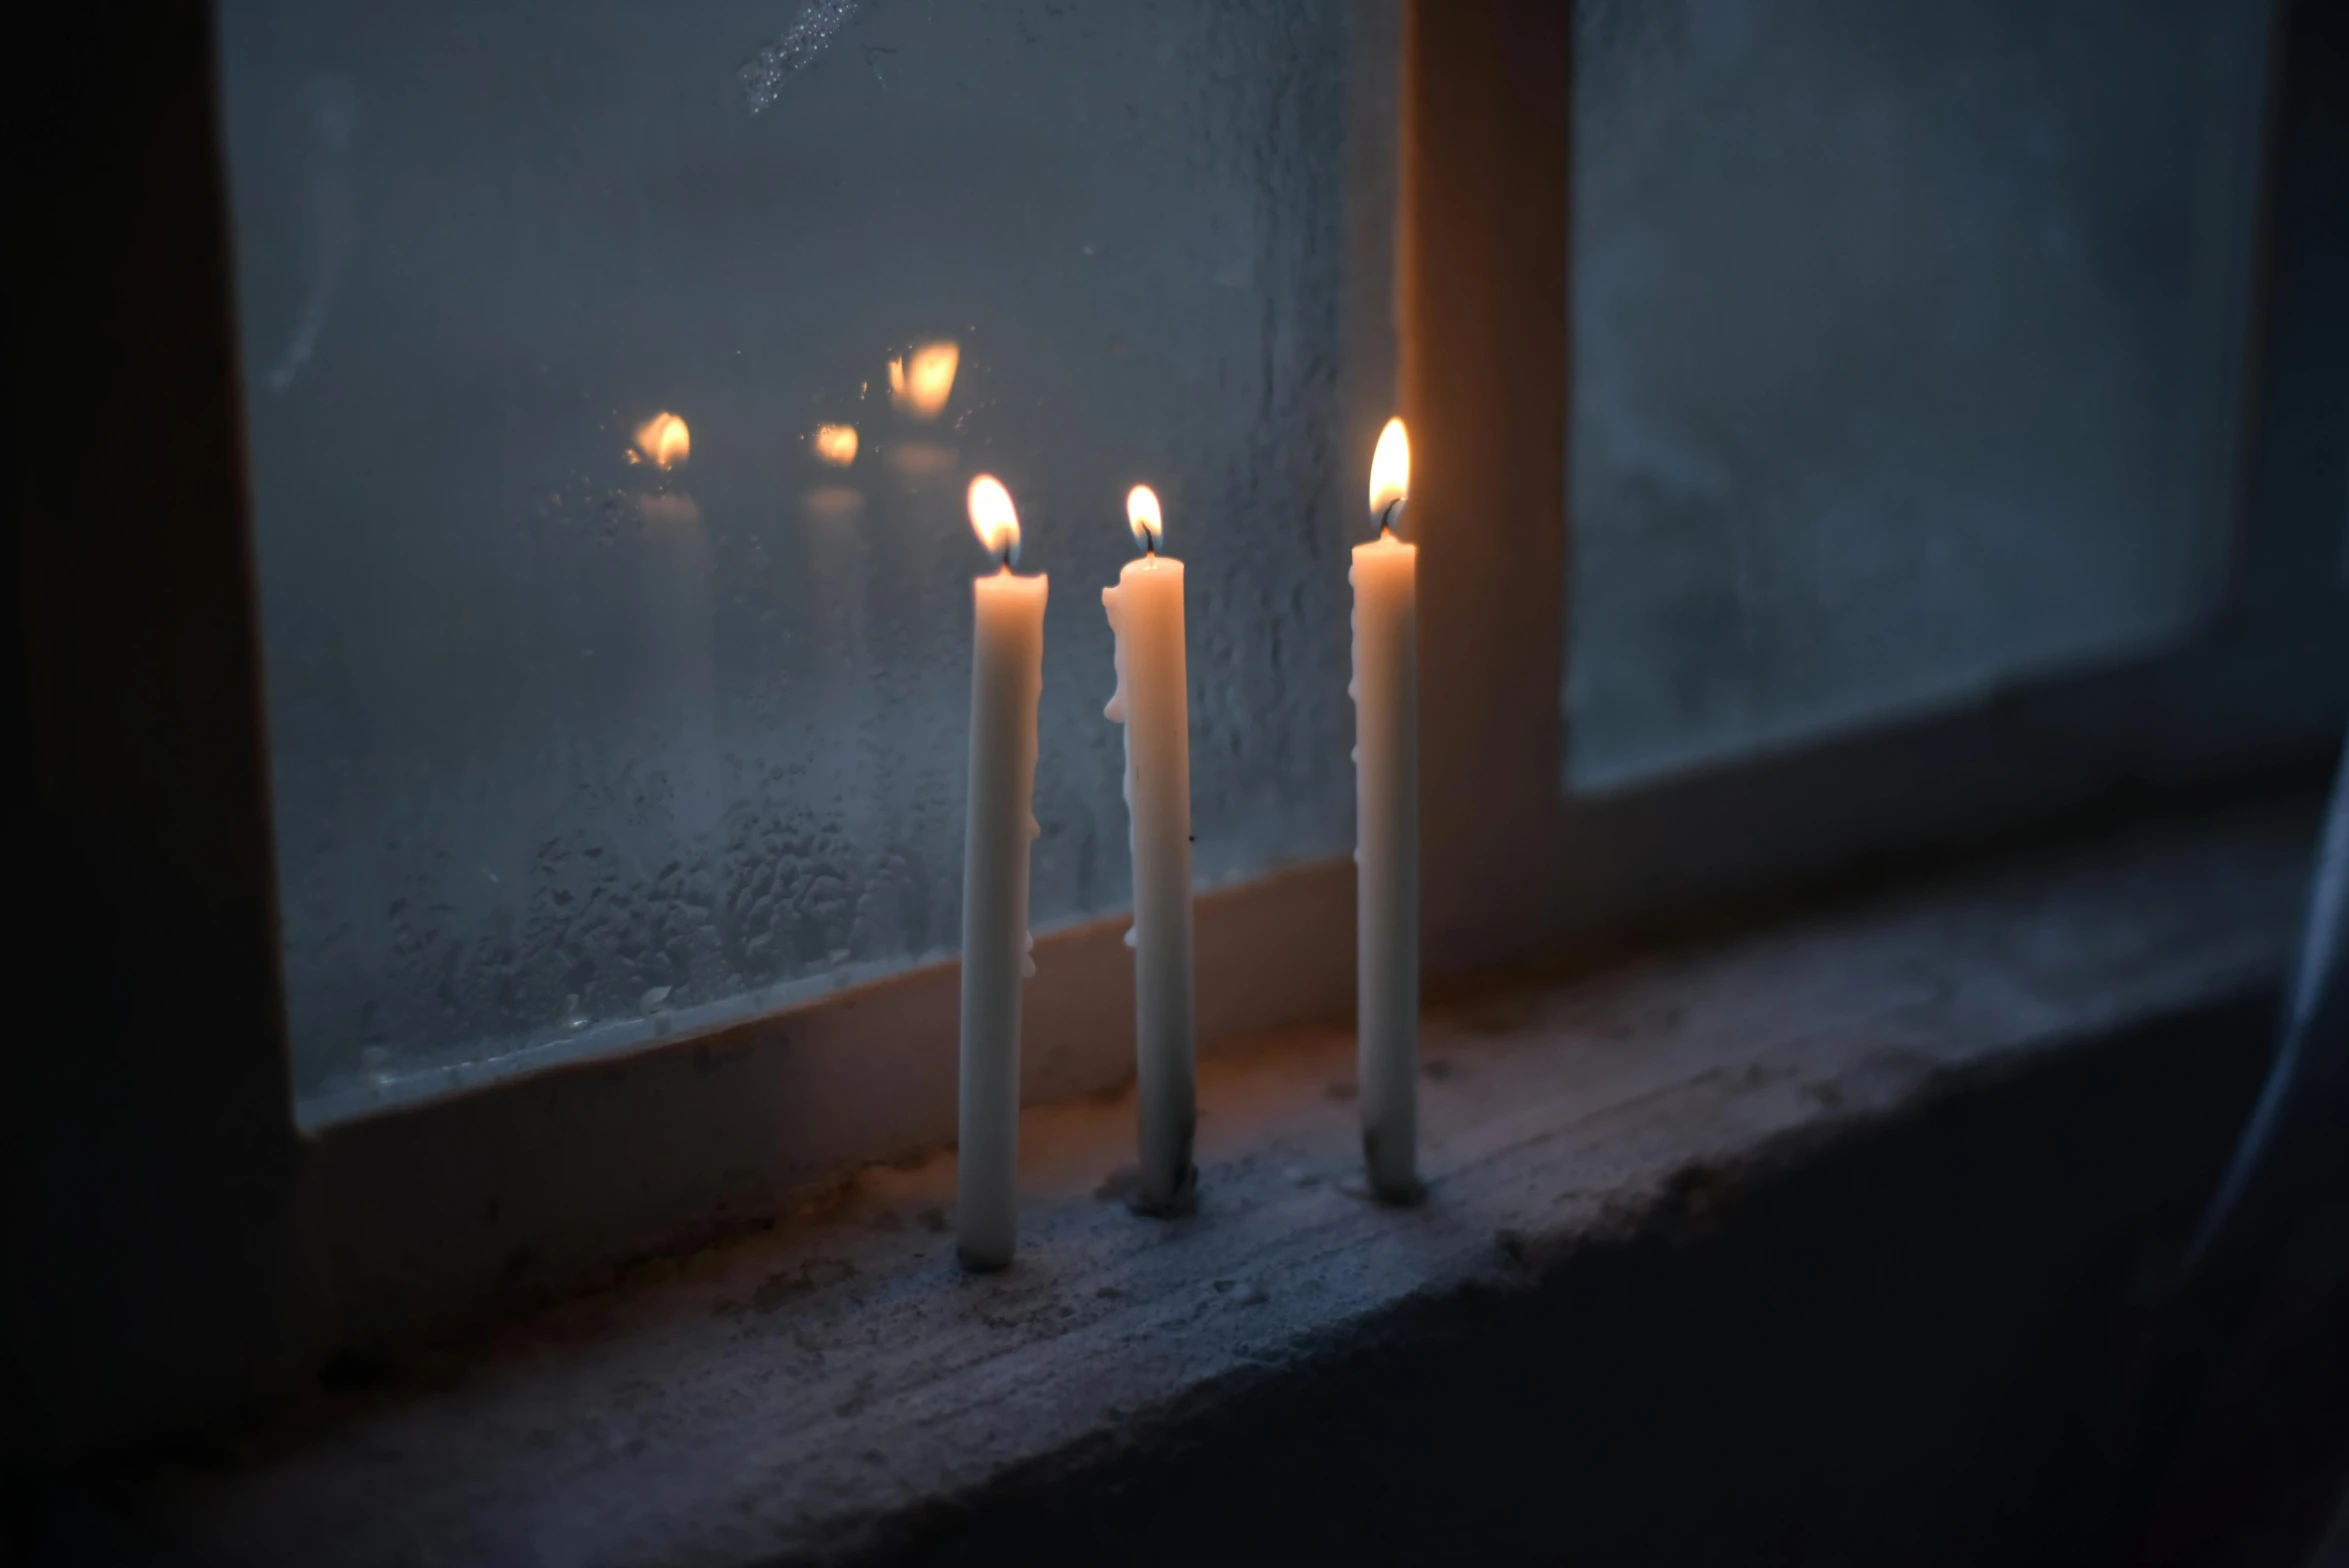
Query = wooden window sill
x=837 y=1384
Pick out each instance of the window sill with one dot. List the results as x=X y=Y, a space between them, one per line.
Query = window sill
x=837 y=1384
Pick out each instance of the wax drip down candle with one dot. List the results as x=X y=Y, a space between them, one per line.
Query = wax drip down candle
x=1007 y=678
x=1153 y=702
x=1385 y=690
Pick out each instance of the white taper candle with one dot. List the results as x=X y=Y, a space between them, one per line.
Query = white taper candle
x=1007 y=676
x=1385 y=576
x=1153 y=702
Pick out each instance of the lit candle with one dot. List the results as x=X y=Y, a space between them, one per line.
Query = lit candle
x=1386 y=827
x=1007 y=676
x=1152 y=701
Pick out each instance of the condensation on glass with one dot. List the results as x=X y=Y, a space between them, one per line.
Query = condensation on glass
x=614 y=374
x=1906 y=355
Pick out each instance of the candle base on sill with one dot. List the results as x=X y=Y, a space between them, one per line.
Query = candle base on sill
x=981 y=1263
x=1411 y=1197
x=1178 y=1204
x=1400 y=1189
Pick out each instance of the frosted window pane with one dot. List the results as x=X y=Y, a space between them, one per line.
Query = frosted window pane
x=1905 y=354
x=570 y=749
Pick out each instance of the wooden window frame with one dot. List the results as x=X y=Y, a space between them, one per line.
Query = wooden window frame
x=180 y=1248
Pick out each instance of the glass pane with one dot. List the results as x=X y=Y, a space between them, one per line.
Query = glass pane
x=1906 y=351
x=572 y=747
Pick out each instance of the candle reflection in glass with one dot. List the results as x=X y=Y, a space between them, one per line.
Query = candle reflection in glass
x=832 y=514
x=663 y=441
x=833 y=509
x=835 y=445
x=837 y=556
x=920 y=382
x=679 y=604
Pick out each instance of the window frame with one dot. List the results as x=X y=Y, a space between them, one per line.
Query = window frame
x=283 y=1248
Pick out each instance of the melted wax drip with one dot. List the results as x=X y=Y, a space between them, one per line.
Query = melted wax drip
x=1115 y=712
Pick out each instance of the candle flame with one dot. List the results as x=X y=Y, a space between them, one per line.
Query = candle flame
x=919 y=382
x=1142 y=516
x=836 y=444
x=993 y=519
x=1390 y=474
x=664 y=440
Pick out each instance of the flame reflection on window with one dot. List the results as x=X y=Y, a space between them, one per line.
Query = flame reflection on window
x=836 y=444
x=920 y=382
x=664 y=441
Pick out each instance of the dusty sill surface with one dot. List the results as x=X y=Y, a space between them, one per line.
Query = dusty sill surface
x=830 y=1386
